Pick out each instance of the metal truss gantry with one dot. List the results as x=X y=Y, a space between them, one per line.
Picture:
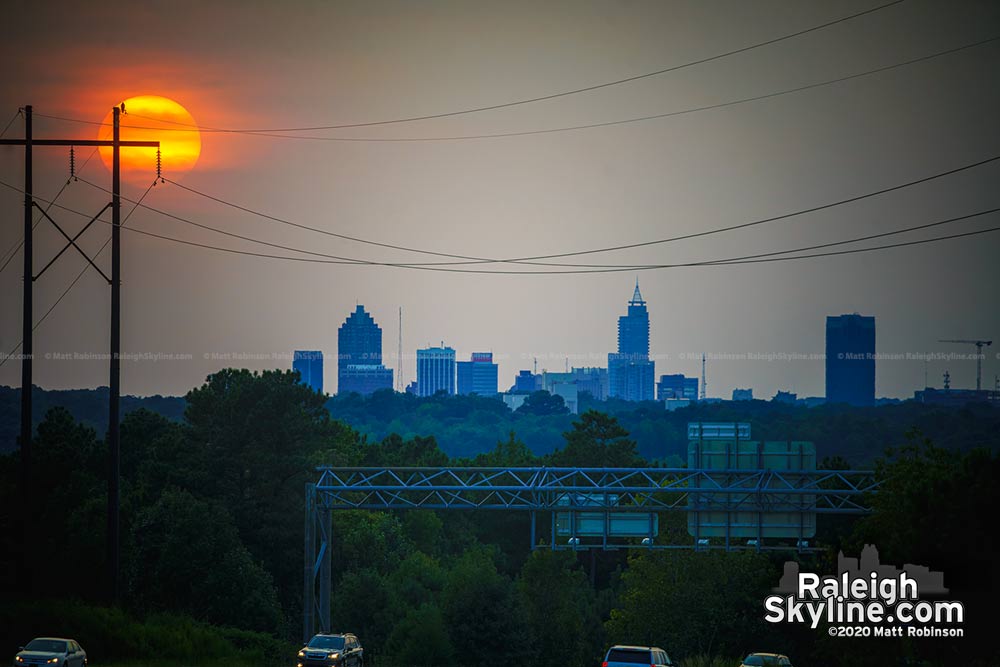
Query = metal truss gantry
x=648 y=490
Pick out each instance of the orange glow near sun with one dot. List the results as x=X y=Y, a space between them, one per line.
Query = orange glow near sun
x=155 y=119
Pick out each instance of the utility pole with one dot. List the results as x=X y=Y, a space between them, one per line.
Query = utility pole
x=27 y=350
x=114 y=382
x=27 y=316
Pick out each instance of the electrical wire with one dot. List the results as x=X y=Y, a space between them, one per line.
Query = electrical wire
x=751 y=259
x=570 y=128
x=69 y=287
x=566 y=93
x=745 y=259
x=534 y=259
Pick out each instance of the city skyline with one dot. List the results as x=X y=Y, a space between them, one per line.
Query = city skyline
x=196 y=311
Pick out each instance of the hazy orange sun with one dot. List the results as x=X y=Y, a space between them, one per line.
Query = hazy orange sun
x=154 y=118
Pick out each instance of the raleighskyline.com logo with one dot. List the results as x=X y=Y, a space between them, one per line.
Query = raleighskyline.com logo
x=866 y=599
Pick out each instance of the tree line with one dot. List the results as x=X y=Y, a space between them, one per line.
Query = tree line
x=212 y=526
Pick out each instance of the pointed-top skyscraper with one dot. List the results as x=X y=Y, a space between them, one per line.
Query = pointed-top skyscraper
x=359 y=355
x=631 y=374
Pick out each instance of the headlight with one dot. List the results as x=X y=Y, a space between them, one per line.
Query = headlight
x=302 y=654
x=52 y=660
x=333 y=656
x=19 y=658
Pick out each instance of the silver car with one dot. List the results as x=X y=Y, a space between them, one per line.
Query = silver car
x=52 y=652
x=630 y=656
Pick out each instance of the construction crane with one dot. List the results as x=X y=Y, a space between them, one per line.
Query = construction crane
x=979 y=356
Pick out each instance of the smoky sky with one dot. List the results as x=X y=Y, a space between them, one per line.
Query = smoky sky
x=277 y=65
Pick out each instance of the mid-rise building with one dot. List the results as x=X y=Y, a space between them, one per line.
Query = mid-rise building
x=365 y=379
x=435 y=370
x=631 y=374
x=787 y=397
x=742 y=394
x=359 y=355
x=677 y=386
x=478 y=375
x=592 y=380
x=526 y=382
x=850 y=359
x=309 y=364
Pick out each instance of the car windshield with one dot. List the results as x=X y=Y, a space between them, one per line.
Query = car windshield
x=760 y=660
x=632 y=656
x=327 y=642
x=46 y=645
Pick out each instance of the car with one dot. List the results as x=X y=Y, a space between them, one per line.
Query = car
x=629 y=656
x=766 y=660
x=51 y=651
x=332 y=650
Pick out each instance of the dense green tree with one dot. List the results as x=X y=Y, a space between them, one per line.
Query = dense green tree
x=560 y=610
x=418 y=580
x=512 y=453
x=597 y=440
x=936 y=508
x=188 y=557
x=259 y=436
x=421 y=639
x=693 y=602
x=425 y=530
x=484 y=614
x=66 y=512
x=367 y=540
x=155 y=455
x=397 y=451
x=362 y=602
x=542 y=403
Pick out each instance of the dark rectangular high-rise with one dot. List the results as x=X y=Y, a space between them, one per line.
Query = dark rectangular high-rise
x=309 y=364
x=850 y=359
x=478 y=375
x=677 y=386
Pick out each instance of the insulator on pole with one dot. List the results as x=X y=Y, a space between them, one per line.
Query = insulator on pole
x=159 y=167
x=72 y=164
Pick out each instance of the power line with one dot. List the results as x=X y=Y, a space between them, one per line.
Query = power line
x=571 y=128
x=566 y=93
x=750 y=259
x=745 y=259
x=533 y=259
x=79 y=275
x=763 y=260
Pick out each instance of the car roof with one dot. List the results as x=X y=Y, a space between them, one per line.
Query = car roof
x=58 y=639
x=772 y=655
x=628 y=647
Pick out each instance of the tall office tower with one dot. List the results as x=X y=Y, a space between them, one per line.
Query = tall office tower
x=631 y=374
x=309 y=364
x=478 y=375
x=677 y=386
x=850 y=359
x=359 y=355
x=435 y=370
